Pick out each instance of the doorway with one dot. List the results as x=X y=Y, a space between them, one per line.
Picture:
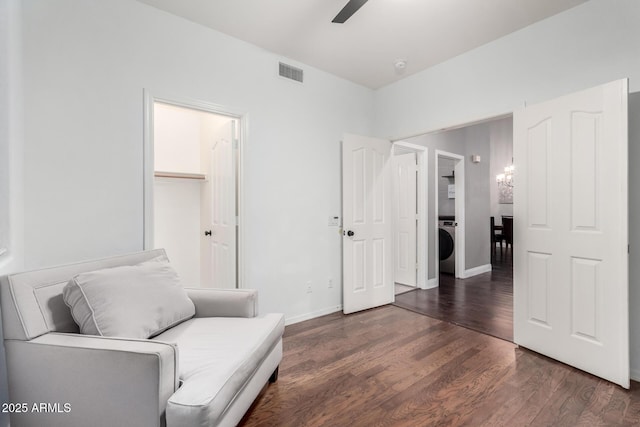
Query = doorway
x=467 y=291
x=450 y=213
x=368 y=220
x=192 y=187
x=410 y=246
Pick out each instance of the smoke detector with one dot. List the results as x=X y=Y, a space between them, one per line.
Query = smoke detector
x=400 y=65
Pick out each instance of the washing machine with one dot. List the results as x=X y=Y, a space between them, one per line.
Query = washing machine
x=447 y=245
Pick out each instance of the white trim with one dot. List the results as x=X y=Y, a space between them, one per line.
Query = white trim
x=460 y=125
x=148 y=178
x=422 y=254
x=307 y=316
x=625 y=356
x=409 y=145
x=459 y=211
x=476 y=270
x=423 y=215
x=432 y=283
x=634 y=374
x=148 y=172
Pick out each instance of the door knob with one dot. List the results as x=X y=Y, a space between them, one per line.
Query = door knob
x=207 y=233
x=350 y=233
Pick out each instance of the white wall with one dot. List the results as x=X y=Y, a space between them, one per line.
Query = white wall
x=585 y=46
x=11 y=138
x=11 y=181
x=86 y=63
x=591 y=44
x=176 y=138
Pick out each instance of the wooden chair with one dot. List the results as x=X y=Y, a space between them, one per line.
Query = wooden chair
x=496 y=237
x=507 y=232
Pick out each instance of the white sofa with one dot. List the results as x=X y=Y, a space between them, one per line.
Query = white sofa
x=205 y=371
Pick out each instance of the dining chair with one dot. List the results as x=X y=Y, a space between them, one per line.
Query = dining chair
x=507 y=232
x=496 y=237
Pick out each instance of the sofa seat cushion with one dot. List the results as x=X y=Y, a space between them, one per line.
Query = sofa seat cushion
x=217 y=356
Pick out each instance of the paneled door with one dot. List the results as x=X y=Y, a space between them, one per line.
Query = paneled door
x=571 y=230
x=367 y=217
x=405 y=172
x=219 y=210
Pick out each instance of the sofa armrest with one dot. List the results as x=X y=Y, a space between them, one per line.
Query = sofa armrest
x=224 y=302
x=91 y=380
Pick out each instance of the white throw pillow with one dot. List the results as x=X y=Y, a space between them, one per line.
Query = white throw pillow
x=137 y=301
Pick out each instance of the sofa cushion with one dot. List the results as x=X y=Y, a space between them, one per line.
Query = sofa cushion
x=137 y=301
x=218 y=356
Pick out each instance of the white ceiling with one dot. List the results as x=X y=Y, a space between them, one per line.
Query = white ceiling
x=366 y=47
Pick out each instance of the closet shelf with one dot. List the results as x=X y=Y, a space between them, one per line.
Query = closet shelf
x=180 y=175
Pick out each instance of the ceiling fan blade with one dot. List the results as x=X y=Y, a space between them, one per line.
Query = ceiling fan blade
x=349 y=9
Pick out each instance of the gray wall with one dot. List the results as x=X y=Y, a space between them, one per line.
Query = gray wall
x=477 y=200
x=501 y=155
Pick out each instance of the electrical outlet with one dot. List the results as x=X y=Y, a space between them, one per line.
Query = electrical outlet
x=330 y=283
x=309 y=290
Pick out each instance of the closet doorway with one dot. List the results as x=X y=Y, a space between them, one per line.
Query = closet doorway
x=192 y=184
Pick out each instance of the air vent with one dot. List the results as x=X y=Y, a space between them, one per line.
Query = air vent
x=289 y=72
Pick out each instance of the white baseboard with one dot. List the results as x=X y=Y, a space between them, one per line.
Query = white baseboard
x=476 y=270
x=634 y=374
x=312 y=315
x=432 y=283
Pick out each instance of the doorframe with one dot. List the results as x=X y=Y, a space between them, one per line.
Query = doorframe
x=148 y=166
x=459 y=213
x=422 y=250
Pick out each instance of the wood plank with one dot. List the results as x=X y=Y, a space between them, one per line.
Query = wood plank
x=483 y=303
x=393 y=367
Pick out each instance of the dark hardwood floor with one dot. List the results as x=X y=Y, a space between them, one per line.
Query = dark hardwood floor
x=483 y=303
x=393 y=367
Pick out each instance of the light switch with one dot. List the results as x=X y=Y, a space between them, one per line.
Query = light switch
x=334 y=221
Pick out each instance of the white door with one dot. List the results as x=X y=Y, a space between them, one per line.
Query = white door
x=405 y=172
x=219 y=209
x=367 y=216
x=570 y=230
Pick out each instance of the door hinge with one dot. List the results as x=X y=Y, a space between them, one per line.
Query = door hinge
x=417 y=265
